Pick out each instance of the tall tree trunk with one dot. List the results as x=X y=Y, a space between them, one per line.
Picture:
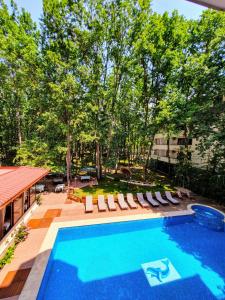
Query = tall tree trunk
x=148 y=158
x=186 y=144
x=98 y=160
x=137 y=151
x=145 y=90
x=109 y=143
x=19 y=131
x=168 y=153
x=68 y=159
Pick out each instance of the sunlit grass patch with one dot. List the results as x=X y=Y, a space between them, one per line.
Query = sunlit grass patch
x=107 y=186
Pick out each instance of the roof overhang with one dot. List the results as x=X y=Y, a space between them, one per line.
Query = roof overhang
x=215 y=4
x=16 y=180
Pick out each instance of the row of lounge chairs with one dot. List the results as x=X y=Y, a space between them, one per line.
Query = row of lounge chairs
x=143 y=201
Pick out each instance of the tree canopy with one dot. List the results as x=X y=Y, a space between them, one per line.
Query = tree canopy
x=100 y=78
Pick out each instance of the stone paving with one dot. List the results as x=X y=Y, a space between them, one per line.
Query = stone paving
x=55 y=207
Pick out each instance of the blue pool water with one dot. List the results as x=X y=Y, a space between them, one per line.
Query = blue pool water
x=209 y=217
x=104 y=261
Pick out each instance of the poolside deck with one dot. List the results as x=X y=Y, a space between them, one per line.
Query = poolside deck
x=55 y=208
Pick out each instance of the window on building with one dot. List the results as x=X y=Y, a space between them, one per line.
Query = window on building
x=32 y=194
x=160 y=141
x=8 y=221
x=26 y=200
x=155 y=152
x=17 y=209
x=173 y=154
x=161 y=152
x=184 y=141
x=173 y=141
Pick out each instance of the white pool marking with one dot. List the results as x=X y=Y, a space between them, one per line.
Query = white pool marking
x=154 y=269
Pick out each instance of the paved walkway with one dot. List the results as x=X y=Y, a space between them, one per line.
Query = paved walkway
x=81 y=184
x=55 y=207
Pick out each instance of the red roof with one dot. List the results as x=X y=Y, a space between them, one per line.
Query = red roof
x=216 y=4
x=15 y=180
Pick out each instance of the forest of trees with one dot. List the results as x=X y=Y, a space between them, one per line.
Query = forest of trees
x=96 y=80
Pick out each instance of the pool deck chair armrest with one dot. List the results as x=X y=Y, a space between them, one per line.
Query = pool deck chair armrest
x=130 y=201
x=121 y=201
x=141 y=200
x=170 y=198
x=179 y=195
x=89 y=204
x=101 y=203
x=160 y=199
x=151 y=200
x=111 y=203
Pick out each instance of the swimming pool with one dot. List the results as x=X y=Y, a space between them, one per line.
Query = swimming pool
x=208 y=216
x=106 y=261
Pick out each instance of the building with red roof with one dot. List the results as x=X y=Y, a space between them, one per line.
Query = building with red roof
x=17 y=193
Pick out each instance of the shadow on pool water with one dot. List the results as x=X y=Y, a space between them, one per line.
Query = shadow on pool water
x=124 y=287
x=205 y=245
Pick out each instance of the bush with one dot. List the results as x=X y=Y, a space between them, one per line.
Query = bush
x=205 y=183
x=38 y=199
x=20 y=236
x=6 y=259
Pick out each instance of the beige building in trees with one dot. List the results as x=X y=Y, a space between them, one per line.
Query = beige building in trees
x=167 y=151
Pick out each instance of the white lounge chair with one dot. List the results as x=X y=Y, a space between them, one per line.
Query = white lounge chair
x=170 y=198
x=179 y=194
x=121 y=201
x=151 y=200
x=183 y=194
x=111 y=203
x=141 y=200
x=40 y=188
x=59 y=187
x=89 y=204
x=160 y=199
x=101 y=203
x=130 y=201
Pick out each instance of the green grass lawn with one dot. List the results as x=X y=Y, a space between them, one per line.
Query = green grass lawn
x=107 y=186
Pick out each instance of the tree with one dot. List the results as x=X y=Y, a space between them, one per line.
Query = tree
x=101 y=78
x=19 y=51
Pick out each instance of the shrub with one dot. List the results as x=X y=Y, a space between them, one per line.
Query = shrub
x=38 y=199
x=6 y=259
x=20 y=236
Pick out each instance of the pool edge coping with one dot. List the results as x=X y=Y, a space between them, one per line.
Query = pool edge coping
x=33 y=282
x=189 y=207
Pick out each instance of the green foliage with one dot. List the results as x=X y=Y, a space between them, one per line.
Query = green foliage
x=37 y=153
x=20 y=236
x=8 y=256
x=38 y=199
x=101 y=78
